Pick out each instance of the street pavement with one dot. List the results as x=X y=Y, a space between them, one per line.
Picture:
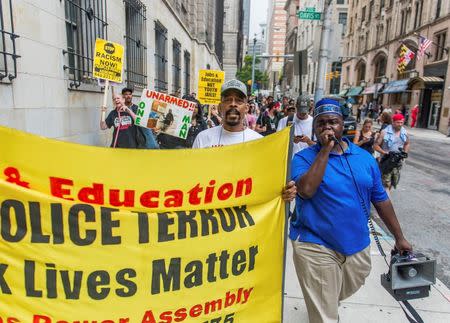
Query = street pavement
x=372 y=303
x=422 y=199
x=422 y=204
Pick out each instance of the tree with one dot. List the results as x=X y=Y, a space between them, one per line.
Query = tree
x=245 y=73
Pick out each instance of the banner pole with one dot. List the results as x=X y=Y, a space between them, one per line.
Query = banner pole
x=287 y=210
x=105 y=97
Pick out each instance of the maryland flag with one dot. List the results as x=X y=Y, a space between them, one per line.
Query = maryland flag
x=406 y=55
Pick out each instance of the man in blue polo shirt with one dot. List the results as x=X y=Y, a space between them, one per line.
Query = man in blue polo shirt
x=330 y=233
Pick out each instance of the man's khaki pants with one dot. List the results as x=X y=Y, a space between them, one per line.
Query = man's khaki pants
x=328 y=277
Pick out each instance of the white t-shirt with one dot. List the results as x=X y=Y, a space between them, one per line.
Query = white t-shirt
x=302 y=127
x=218 y=136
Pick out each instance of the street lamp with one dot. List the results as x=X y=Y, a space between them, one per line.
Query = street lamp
x=413 y=74
x=253 y=65
x=383 y=80
x=363 y=83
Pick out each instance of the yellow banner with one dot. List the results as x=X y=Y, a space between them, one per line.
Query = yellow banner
x=108 y=60
x=91 y=234
x=209 y=84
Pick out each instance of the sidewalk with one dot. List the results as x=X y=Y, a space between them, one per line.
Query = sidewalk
x=372 y=303
x=427 y=134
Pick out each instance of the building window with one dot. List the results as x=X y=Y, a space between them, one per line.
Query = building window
x=343 y=21
x=85 y=21
x=388 y=29
x=438 y=8
x=8 y=55
x=440 y=46
x=361 y=73
x=136 y=45
x=160 y=57
x=187 y=72
x=363 y=14
x=370 y=11
x=381 y=5
x=380 y=68
x=340 y=2
x=402 y=23
x=176 y=66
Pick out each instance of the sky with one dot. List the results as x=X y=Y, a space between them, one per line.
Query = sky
x=258 y=14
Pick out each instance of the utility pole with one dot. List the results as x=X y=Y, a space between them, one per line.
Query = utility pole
x=323 y=52
x=253 y=65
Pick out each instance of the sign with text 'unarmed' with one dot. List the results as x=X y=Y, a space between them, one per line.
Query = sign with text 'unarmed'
x=108 y=60
x=92 y=234
x=209 y=84
x=165 y=113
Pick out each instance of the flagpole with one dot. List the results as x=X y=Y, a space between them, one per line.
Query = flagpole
x=437 y=45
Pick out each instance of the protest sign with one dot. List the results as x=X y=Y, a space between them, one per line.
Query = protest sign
x=113 y=244
x=108 y=60
x=209 y=83
x=164 y=113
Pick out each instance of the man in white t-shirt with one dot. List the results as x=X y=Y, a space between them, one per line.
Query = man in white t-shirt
x=233 y=108
x=302 y=123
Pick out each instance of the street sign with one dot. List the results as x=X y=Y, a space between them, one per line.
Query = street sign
x=307 y=15
x=310 y=9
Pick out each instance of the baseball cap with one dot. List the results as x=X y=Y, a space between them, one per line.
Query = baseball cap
x=398 y=117
x=327 y=106
x=302 y=104
x=234 y=85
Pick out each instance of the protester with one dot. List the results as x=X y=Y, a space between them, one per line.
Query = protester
x=329 y=233
x=215 y=117
x=148 y=141
x=392 y=140
x=385 y=119
x=122 y=119
x=267 y=122
x=284 y=105
x=359 y=112
x=233 y=108
x=250 y=116
x=414 y=114
x=365 y=137
x=302 y=122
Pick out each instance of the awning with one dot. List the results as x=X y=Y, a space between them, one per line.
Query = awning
x=343 y=92
x=371 y=89
x=396 y=86
x=426 y=82
x=355 y=91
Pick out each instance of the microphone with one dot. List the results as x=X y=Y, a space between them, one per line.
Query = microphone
x=332 y=137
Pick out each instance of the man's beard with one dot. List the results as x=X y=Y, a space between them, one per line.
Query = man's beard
x=232 y=122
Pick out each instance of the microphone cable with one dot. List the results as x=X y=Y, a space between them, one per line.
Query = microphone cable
x=406 y=305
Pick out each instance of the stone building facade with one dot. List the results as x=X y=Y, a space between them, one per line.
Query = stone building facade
x=46 y=83
x=233 y=37
x=376 y=31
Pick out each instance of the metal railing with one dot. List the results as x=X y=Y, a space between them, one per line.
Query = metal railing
x=8 y=55
x=136 y=44
x=86 y=20
x=176 y=66
x=160 y=57
x=187 y=72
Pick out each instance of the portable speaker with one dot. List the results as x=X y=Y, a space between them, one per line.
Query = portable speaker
x=409 y=276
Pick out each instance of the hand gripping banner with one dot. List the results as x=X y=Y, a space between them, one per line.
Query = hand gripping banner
x=103 y=235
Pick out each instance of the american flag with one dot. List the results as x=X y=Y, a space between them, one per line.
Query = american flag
x=424 y=43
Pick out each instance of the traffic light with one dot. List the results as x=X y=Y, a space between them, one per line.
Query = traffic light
x=337 y=74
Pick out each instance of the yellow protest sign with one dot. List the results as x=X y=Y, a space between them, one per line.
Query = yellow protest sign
x=108 y=60
x=103 y=235
x=209 y=83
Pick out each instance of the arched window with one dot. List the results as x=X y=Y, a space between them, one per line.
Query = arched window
x=360 y=72
x=380 y=63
